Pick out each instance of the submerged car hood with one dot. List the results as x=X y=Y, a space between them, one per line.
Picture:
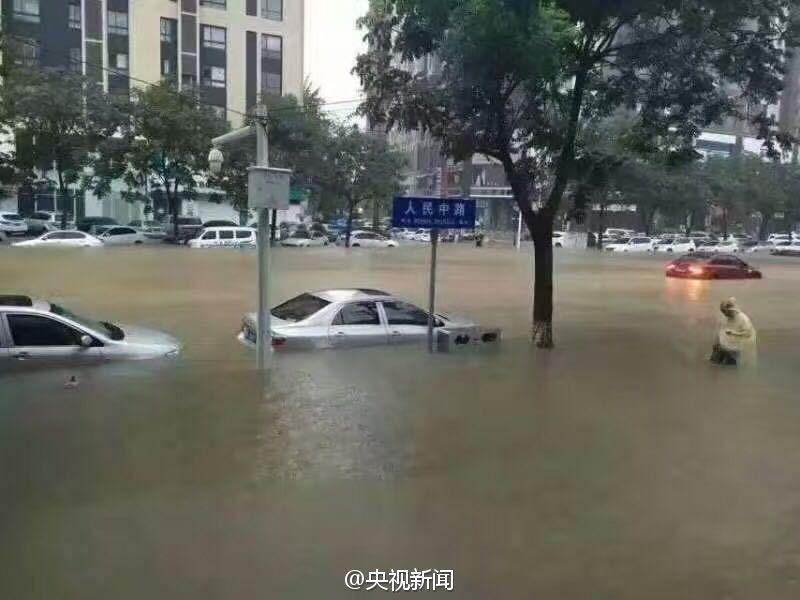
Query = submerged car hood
x=295 y=241
x=143 y=336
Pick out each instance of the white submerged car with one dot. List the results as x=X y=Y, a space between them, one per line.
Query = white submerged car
x=304 y=239
x=62 y=239
x=634 y=244
x=36 y=333
x=225 y=237
x=12 y=224
x=678 y=244
x=346 y=318
x=122 y=235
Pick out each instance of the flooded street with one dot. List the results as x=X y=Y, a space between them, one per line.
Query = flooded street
x=620 y=465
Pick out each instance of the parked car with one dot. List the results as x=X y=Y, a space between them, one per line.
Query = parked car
x=221 y=237
x=677 y=244
x=615 y=233
x=634 y=244
x=779 y=237
x=188 y=228
x=367 y=239
x=729 y=245
x=709 y=265
x=152 y=230
x=344 y=318
x=36 y=333
x=792 y=249
x=767 y=247
x=12 y=224
x=86 y=224
x=122 y=235
x=304 y=239
x=219 y=223
x=42 y=221
x=558 y=239
x=60 y=239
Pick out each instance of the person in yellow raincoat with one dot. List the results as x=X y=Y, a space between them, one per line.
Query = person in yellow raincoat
x=736 y=337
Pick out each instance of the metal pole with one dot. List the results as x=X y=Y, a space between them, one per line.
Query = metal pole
x=432 y=289
x=519 y=230
x=264 y=335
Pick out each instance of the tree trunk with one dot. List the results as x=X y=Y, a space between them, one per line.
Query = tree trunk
x=600 y=222
x=724 y=222
x=64 y=199
x=375 y=215
x=273 y=223
x=172 y=199
x=763 y=226
x=350 y=209
x=542 y=234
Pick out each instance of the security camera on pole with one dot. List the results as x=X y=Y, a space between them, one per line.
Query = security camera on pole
x=267 y=189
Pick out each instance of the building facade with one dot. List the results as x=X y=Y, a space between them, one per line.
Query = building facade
x=232 y=51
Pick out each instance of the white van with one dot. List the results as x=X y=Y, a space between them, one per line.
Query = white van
x=218 y=237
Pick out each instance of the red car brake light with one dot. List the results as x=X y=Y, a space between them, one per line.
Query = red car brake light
x=278 y=341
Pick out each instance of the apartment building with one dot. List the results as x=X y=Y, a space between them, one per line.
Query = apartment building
x=233 y=51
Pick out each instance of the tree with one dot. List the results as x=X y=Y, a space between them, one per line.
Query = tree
x=59 y=119
x=298 y=132
x=359 y=166
x=519 y=78
x=165 y=141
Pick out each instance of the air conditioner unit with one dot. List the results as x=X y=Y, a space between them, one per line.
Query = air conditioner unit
x=460 y=339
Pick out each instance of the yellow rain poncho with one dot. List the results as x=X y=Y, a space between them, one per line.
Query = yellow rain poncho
x=736 y=335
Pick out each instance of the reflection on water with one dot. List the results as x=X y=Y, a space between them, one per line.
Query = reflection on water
x=620 y=465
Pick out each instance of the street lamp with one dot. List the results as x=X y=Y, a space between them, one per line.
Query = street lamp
x=215 y=158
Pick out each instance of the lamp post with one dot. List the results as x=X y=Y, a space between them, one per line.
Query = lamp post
x=267 y=188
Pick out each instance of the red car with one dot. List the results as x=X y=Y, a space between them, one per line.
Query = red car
x=707 y=265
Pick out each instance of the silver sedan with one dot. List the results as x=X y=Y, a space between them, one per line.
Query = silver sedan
x=346 y=318
x=38 y=333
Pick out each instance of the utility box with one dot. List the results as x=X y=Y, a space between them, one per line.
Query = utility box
x=268 y=187
x=460 y=339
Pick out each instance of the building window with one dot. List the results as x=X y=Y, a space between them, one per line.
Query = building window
x=214 y=77
x=214 y=37
x=272 y=9
x=75 y=15
x=188 y=80
x=272 y=65
x=26 y=10
x=27 y=52
x=213 y=3
x=121 y=62
x=167 y=69
x=117 y=22
x=75 y=60
x=169 y=31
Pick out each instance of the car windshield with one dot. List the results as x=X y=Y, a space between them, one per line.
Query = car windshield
x=11 y=217
x=301 y=235
x=109 y=329
x=299 y=308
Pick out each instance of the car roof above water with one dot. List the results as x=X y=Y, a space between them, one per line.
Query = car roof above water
x=21 y=301
x=341 y=295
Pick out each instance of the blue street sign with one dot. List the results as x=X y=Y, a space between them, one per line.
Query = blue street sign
x=433 y=213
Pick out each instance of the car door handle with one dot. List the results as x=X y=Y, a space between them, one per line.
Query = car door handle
x=396 y=333
x=340 y=334
x=21 y=355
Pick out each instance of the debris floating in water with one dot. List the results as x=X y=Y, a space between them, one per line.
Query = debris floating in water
x=71 y=383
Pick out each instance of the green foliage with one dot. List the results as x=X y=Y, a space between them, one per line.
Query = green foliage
x=60 y=120
x=164 y=142
x=519 y=78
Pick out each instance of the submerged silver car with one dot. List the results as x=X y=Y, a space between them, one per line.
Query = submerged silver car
x=37 y=333
x=346 y=318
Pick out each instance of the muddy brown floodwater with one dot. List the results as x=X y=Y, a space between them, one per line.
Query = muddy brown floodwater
x=620 y=465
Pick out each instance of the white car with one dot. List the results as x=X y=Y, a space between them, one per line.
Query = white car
x=613 y=232
x=558 y=239
x=678 y=244
x=122 y=235
x=634 y=244
x=728 y=246
x=779 y=237
x=304 y=239
x=61 y=239
x=769 y=246
x=370 y=239
x=43 y=221
x=12 y=224
x=221 y=237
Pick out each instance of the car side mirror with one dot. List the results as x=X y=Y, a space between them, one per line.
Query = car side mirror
x=87 y=341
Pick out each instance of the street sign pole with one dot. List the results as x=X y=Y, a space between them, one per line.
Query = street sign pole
x=432 y=289
x=264 y=334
